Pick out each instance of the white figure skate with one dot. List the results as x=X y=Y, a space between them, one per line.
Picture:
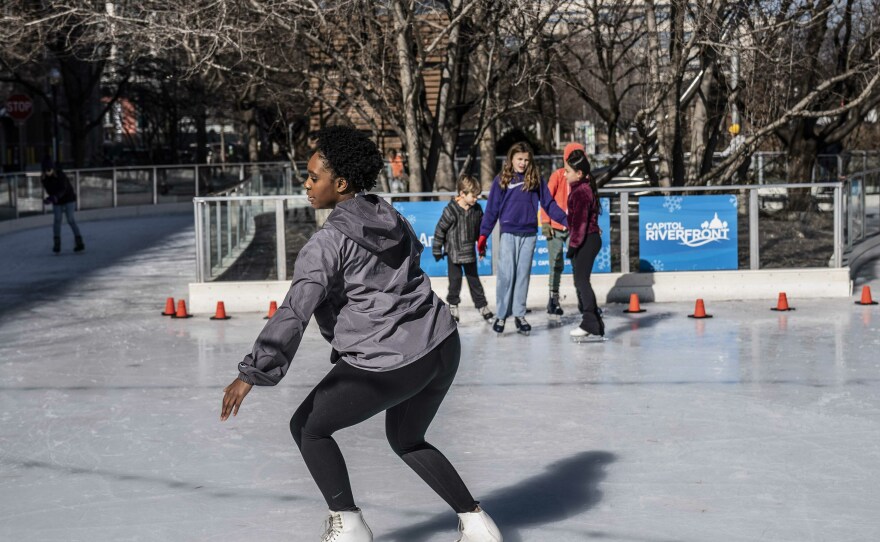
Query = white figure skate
x=477 y=527
x=346 y=527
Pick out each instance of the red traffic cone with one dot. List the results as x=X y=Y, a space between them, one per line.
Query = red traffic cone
x=220 y=313
x=699 y=311
x=169 y=307
x=866 y=297
x=782 y=303
x=273 y=306
x=634 y=304
x=181 y=310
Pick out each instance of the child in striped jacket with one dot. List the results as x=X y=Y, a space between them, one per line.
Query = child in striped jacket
x=456 y=234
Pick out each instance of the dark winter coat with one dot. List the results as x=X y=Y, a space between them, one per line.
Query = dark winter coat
x=583 y=213
x=58 y=187
x=457 y=232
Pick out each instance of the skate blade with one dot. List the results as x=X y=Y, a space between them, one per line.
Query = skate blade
x=589 y=339
x=526 y=333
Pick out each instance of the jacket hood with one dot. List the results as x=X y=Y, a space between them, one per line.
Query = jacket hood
x=572 y=147
x=374 y=224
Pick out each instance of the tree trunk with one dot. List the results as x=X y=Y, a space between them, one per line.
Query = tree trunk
x=444 y=129
x=801 y=158
x=409 y=88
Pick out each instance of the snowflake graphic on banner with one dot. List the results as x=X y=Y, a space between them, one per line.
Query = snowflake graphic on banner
x=603 y=259
x=733 y=200
x=657 y=265
x=606 y=205
x=412 y=219
x=672 y=203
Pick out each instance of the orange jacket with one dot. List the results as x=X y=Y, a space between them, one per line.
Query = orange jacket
x=558 y=187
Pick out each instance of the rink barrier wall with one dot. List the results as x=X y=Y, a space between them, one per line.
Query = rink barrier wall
x=245 y=297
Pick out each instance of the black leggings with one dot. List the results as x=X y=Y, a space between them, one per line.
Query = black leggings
x=410 y=396
x=584 y=257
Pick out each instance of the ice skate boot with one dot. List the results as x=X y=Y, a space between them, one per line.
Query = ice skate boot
x=477 y=527
x=498 y=326
x=486 y=313
x=580 y=335
x=346 y=527
x=56 y=245
x=453 y=310
x=554 y=311
x=522 y=327
x=80 y=246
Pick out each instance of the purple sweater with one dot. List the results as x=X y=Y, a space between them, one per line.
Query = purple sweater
x=516 y=209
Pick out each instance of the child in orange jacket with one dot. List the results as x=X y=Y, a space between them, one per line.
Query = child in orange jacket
x=556 y=233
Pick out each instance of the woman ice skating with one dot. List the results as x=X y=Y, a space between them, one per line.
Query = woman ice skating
x=585 y=241
x=395 y=346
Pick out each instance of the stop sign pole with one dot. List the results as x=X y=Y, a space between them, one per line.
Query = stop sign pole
x=20 y=107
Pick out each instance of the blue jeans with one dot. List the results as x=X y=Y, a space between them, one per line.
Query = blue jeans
x=514 y=272
x=67 y=209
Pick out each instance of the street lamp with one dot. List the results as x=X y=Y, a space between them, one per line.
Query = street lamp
x=54 y=81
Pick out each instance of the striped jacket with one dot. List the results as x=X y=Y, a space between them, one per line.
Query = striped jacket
x=457 y=232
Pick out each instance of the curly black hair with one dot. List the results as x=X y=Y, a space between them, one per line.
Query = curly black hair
x=350 y=154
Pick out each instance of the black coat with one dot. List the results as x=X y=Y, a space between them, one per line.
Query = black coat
x=58 y=185
x=457 y=232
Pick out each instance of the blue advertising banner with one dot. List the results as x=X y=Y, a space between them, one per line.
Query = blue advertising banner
x=423 y=216
x=541 y=261
x=687 y=233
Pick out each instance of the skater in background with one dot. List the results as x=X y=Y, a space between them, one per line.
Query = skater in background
x=585 y=241
x=62 y=196
x=456 y=234
x=395 y=346
x=514 y=199
x=556 y=233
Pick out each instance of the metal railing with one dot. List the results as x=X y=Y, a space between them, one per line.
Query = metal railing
x=841 y=204
x=21 y=194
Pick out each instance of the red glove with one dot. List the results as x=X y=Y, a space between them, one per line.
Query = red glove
x=481 y=245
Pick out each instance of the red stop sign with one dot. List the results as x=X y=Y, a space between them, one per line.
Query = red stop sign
x=19 y=107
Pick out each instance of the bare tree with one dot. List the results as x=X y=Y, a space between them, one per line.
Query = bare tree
x=598 y=59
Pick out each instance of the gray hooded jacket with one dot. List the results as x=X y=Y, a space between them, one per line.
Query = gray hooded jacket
x=360 y=277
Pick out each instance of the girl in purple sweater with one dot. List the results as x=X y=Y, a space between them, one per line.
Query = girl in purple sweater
x=513 y=201
x=585 y=241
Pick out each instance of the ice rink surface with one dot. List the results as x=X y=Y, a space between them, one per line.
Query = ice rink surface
x=752 y=425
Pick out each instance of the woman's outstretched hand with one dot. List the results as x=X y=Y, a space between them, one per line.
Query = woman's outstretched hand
x=233 y=395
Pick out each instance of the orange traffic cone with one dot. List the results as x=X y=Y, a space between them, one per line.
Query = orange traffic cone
x=782 y=303
x=273 y=306
x=181 y=310
x=866 y=297
x=699 y=311
x=169 y=307
x=220 y=313
x=634 y=304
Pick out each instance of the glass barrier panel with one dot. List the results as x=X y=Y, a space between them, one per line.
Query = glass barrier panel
x=798 y=239
x=7 y=198
x=134 y=187
x=175 y=185
x=218 y=177
x=96 y=189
